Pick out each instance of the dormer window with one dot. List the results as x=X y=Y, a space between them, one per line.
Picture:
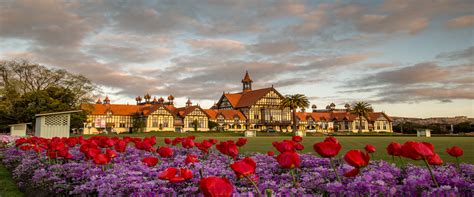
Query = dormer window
x=109 y=113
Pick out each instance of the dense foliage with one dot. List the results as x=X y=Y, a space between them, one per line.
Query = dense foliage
x=27 y=89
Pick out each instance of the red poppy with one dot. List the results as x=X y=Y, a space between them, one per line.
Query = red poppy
x=72 y=141
x=213 y=141
x=150 y=161
x=331 y=139
x=101 y=159
x=188 y=142
x=106 y=142
x=435 y=160
x=455 y=151
x=288 y=160
x=204 y=146
x=26 y=147
x=150 y=140
x=171 y=174
x=216 y=186
x=417 y=150
x=284 y=146
x=369 y=148
x=91 y=151
x=64 y=153
x=394 y=149
x=241 y=142
x=165 y=152
x=297 y=138
x=167 y=141
x=176 y=141
x=120 y=146
x=228 y=148
x=327 y=148
x=244 y=167
x=299 y=146
x=110 y=153
x=20 y=141
x=143 y=145
x=354 y=172
x=191 y=159
x=357 y=159
x=271 y=153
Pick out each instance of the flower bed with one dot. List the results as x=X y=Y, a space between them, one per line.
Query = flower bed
x=134 y=167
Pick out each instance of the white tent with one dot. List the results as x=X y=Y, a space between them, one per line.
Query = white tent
x=56 y=124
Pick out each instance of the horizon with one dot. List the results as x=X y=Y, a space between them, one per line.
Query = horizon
x=406 y=59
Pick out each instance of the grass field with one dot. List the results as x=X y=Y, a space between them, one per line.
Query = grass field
x=7 y=186
x=264 y=143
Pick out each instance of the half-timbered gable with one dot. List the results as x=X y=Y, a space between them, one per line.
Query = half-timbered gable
x=160 y=119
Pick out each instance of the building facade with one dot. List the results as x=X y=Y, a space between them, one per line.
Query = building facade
x=250 y=109
x=340 y=120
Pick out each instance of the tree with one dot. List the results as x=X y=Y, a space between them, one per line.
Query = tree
x=26 y=89
x=294 y=102
x=361 y=109
x=211 y=124
x=138 y=122
x=195 y=125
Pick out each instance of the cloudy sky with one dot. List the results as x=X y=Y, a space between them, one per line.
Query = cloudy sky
x=407 y=58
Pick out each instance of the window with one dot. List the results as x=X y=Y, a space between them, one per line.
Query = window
x=346 y=125
x=122 y=125
x=384 y=126
x=154 y=122
x=165 y=123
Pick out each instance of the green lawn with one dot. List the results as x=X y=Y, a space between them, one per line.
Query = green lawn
x=264 y=143
x=7 y=186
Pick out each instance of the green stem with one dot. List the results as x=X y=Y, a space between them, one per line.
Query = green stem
x=431 y=172
x=334 y=168
x=293 y=176
x=269 y=192
x=200 y=173
x=393 y=159
x=401 y=160
x=458 y=165
x=254 y=185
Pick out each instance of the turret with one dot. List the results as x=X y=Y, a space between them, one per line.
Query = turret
x=189 y=103
x=246 y=82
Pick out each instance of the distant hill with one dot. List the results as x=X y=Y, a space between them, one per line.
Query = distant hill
x=433 y=120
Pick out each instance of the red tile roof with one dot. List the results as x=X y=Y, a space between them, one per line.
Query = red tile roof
x=233 y=98
x=120 y=110
x=228 y=114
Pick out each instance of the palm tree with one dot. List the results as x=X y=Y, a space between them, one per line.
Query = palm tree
x=294 y=102
x=361 y=109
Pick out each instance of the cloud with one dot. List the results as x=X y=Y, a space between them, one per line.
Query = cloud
x=113 y=53
x=49 y=23
x=461 y=22
x=418 y=73
x=217 y=46
x=394 y=16
x=420 y=82
x=458 y=55
x=274 y=48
